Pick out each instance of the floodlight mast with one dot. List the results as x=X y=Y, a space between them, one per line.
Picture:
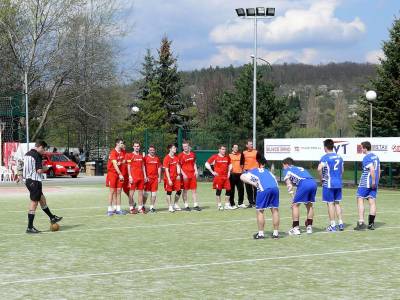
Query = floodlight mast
x=255 y=13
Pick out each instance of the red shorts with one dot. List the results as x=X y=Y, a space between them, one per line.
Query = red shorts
x=126 y=184
x=112 y=180
x=190 y=183
x=137 y=184
x=176 y=185
x=220 y=183
x=151 y=185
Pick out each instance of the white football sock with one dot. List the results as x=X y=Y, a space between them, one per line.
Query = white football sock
x=110 y=208
x=261 y=233
x=276 y=232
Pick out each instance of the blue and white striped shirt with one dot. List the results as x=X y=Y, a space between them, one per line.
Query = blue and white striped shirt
x=296 y=174
x=332 y=169
x=369 y=160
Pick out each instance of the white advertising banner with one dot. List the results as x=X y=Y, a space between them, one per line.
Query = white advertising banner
x=387 y=149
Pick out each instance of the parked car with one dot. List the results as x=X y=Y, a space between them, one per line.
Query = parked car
x=59 y=165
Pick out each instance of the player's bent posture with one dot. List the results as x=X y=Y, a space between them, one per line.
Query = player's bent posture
x=222 y=169
x=267 y=196
x=331 y=169
x=32 y=173
x=153 y=171
x=137 y=178
x=172 y=177
x=305 y=193
x=115 y=178
x=187 y=161
x=368 y=187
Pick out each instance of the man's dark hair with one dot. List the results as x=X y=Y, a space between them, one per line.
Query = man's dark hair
x=152 y=146
x=220 y=146
x=288 y=161
x=366 y=145
x=328 y=144
x=136 y=142
x=119 y=140
x=170 y=146
x=261 y=161
x=40 y=144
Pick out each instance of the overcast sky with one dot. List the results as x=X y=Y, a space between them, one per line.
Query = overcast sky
x=208 y=32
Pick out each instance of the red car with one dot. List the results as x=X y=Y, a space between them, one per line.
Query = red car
x=59 y=165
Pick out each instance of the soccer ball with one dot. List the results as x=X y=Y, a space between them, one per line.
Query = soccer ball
x=54 y=227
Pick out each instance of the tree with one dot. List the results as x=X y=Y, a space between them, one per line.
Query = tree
x=274 y=115
x=170 y=85
x=67 y=51
x=386 y=108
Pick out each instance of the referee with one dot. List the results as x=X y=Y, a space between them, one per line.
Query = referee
x=32 y=173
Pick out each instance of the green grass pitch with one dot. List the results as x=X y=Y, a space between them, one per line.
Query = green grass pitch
x=192 y=255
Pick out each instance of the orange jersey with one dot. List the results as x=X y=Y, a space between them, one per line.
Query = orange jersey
x=235 y=160
x=136 y=162
x=152 y=164
x=250 y=159
x=171 y=163
x=187 y=162
x=118 y=157
x=221 y=164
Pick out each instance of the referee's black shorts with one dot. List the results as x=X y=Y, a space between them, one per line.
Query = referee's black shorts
x=35 y=189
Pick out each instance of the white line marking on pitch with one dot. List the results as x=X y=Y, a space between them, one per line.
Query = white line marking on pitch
x=164 y=225
x=191 y=266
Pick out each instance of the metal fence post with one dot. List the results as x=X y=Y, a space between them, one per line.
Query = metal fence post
x=355 y=173
x=98 y=145
x=179 y=139
x=390 y=175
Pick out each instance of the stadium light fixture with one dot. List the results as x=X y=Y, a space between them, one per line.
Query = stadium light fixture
x=250 y=12
x=255 y=14
x=371 y=97
x=270 y=12
x=260 y=11
x=240 y=12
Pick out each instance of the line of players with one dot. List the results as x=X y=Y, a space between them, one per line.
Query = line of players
x=132 y=172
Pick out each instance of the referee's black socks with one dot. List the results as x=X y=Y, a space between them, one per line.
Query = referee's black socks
x=48 y=212
x=31 y=217
x=371 y=219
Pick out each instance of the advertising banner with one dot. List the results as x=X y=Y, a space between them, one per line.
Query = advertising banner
x=387 y=149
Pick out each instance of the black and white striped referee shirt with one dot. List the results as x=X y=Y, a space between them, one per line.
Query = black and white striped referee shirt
x=32 y=163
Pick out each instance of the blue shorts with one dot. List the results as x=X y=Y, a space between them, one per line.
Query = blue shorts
x=268 y=198
x=331 y=194
x=306 y=191
x=363 y=192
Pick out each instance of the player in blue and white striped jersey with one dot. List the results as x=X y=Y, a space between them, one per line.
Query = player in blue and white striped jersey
x=267 y=196
x=306 y=189
x=368 y=187
x=330 y=169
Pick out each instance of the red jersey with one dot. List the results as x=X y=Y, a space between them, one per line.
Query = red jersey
x=187 y=162
x=171 y=164
x=152 y=164
x=221 y=164
x=115 y=155
x=124 y=165
x=136 y=162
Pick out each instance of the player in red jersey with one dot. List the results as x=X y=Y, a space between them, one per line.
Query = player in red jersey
x=124 y=171
x=153 y=170
x=137 y=178
x=222 y=169
x=187 y=161
x=172 y=175
x=115 y=178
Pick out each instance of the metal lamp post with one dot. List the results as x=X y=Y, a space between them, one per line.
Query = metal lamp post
x=371 y=96
x=255 y=14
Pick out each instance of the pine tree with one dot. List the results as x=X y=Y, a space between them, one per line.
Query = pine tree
x=386 y=108
x=148 y=74
x=274 y=114
x=170 y=84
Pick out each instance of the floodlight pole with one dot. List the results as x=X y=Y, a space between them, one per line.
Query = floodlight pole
x=370 y=119
x=26 y=111
x=255 y=84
